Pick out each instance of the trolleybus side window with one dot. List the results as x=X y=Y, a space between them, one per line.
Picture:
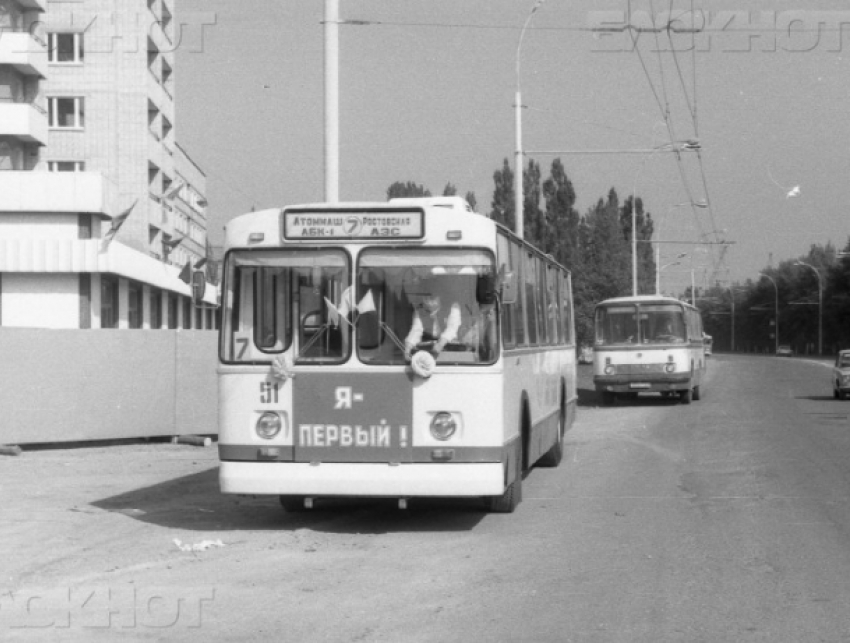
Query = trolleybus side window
x=567 y=311
x=531 y=310
x=518 y=309
x=508 y=271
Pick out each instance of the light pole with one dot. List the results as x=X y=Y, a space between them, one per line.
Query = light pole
x=518 y=187
x=331 y=101
x=675 y=146
x=695 y=204
x=775 y=314
x=820 y=304
x=666 y=265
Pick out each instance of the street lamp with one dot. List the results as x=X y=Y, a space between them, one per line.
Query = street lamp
x=695 y=204
x=776 y=313
x=666 y=265
x=518 y=186
x=820 y=304
x=674 y=146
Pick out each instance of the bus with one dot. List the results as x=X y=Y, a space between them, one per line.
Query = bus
x=331 y=384
x=648 y=343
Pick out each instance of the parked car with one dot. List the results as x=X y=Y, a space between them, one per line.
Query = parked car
x=784 y=351
x=841 y=376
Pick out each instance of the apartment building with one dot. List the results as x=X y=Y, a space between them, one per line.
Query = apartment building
x=101 y=210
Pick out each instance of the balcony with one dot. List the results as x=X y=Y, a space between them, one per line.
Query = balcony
x=52 y=191
x=23 y=52
x=26 y=121
x=32 y=5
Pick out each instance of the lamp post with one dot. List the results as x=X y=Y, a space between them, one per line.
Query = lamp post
x=820 y=304
x=775 y=314
x=518 y=178
x=695 y=204
x=675 y=146
x=666 y=265
x=331 y=101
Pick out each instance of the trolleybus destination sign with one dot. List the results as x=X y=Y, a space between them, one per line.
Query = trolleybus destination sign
x=339 y=224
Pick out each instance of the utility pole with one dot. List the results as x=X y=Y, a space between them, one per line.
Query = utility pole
x=331 y=101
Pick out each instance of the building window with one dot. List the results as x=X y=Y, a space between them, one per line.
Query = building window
x=135 y=311
x=108 y=301
x=66 y=113
x=85 y=300
x=84 y=226
x=187 y=312
x=156 y=308
x=65 y=48
x=66 y=166
x=172 y=310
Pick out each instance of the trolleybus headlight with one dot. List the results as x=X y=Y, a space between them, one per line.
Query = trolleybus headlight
x=443 y=425
x=670 y=367
x=609 y=370
x=268 y=425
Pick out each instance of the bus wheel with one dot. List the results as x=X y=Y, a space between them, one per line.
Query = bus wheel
x=686 y=396
x=292 y=504
x=552 y=458
x=697 y=394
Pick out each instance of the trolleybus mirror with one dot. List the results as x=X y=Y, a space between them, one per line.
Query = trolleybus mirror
x=509 y=288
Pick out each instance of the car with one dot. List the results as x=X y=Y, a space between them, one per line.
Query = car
x=841 y=376
x=784 y=351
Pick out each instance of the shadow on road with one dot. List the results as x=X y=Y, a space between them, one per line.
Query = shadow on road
x=816 y=398
x=194 y=502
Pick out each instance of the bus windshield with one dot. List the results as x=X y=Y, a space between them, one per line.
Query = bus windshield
x=280 y=300
x=304 y=303
x=432 y=300
x=640 y=324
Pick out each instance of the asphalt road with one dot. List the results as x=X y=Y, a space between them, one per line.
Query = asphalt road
x=724 y=520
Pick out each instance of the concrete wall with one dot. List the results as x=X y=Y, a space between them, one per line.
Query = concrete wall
x=78 y=385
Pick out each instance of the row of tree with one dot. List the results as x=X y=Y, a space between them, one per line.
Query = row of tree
x=811 y=295
x=596 y=247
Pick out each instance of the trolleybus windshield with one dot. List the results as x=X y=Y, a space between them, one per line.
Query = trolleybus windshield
x=441 y=301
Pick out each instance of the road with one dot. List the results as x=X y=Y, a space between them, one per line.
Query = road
x=724 y=520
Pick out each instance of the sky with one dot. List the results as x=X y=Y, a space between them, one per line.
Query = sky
x=427 y=92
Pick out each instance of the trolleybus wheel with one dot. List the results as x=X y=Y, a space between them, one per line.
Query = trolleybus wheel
x=552 y=458
x=292 y=504
x=508 y=501
x=697 y=394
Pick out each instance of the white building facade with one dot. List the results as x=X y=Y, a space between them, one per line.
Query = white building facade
x=88 y=133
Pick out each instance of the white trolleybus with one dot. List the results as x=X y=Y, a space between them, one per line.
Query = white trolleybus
x=648 y=344
x=391 y=350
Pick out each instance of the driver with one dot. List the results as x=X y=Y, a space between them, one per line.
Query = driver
x=432 y=322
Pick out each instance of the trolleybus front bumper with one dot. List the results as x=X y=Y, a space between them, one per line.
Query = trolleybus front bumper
x=658 y=383
x=380 y=480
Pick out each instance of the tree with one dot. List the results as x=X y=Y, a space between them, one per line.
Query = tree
x=450 y=190
x=562 y=219
x=409 y=189
x=503 y=207
x=645 y=258
x=472 y=201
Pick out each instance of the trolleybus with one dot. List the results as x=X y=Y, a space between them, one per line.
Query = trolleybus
x=648 y=344
x=403 y=349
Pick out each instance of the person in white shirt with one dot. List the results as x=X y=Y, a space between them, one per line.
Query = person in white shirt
x=432 y=322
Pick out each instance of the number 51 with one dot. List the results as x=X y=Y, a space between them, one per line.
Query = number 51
x=268 y=392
